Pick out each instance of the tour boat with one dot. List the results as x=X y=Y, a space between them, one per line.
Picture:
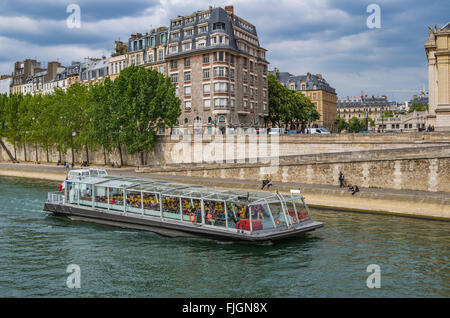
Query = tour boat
x=181 y=210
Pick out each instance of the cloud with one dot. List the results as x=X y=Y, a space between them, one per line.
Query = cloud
x=322 y=36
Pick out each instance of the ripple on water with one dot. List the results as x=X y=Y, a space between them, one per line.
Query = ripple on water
x=36 y=248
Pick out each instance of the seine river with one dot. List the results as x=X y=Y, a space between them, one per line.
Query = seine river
x=36 y=248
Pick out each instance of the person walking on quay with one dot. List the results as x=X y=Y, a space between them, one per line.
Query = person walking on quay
x=341 y=180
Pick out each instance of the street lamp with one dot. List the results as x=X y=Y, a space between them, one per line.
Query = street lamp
x=309 y=121
x=74 y=134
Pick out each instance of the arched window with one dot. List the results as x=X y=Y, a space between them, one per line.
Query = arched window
x=221 y=119
x=186 y=121
x=209 y=120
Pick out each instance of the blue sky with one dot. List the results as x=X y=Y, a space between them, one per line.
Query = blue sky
x=318 y=36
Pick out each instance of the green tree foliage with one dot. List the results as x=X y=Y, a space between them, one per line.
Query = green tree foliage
x=290 y=107
x=146 y=103
x=342 y=124
x=417 y=107
x=355 y=125
x=129 y=111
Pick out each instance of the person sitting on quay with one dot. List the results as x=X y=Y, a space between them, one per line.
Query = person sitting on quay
x=267 y=183
x=355 y=189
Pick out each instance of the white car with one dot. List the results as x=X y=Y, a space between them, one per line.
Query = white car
x=276 y=131
x=313 y=131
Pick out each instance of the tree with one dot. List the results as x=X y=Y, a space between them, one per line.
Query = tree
x=354 y=125
x=103 y=127
x=11 y=120
x=342 y=124
x=417 y=107
x=3 y=101
x=71 y=106
x=146 y=103
x=288 y=106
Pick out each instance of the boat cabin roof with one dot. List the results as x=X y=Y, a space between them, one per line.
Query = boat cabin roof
x=175 y=189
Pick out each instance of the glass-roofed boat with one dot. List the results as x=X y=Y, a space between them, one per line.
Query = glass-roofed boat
x=176 y=209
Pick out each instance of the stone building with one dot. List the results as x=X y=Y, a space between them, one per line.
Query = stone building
x=94 y=70
x=317 y=89
x=149 y=50
x=116 y=64
x=364 y=106
x=437 y=49
x=220 y=70
x=23 y=73
x=410 y=122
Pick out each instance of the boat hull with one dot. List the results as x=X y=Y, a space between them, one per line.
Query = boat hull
x=170 y=228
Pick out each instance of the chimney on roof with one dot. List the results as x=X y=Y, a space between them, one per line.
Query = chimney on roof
x=230 y=10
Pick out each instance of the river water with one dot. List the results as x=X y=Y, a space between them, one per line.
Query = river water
x=36 y=249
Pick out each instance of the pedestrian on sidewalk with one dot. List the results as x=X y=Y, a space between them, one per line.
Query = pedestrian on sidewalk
x=341 y=180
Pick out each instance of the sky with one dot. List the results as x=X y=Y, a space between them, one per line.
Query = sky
x=330 y=37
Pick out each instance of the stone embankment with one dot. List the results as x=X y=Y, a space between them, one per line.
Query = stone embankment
x=431 y=205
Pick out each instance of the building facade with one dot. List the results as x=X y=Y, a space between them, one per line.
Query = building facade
x=317 y=89
x=410 y=122
x=219 y=69
x=149 y=50
x=364 y=106
x=437 y=49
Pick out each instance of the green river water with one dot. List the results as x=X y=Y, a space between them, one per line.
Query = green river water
x=36 y=248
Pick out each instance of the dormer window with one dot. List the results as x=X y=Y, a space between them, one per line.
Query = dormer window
x=219 y=26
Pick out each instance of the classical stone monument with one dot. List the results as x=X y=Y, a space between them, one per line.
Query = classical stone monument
x=437 y=48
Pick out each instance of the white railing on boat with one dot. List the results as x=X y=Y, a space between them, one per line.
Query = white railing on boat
x=55 y=198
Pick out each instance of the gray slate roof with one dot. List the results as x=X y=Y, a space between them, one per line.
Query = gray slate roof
x=313 y=82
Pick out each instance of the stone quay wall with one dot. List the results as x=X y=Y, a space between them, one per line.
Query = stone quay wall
x=238 y=149
x=414 y=168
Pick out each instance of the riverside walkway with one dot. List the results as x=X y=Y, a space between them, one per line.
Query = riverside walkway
x=397 y=202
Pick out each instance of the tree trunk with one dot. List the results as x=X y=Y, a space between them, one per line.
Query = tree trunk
x=87 y=154
x=142 y=159
x=104 y=156
x=48 y=160
x=15 y=154
x=73 y=158
x=36 y=148
x=7 y=151
x=120 y=152
x=25 y=151
x=60 y=157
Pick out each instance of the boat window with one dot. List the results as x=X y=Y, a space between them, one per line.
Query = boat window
x=214 y=213
x=134 y=202
x=192 y=210
x=116 y=199
x=278 y=214
x=171 y=207
x=292 y=214
x=302 y=209
x=86 y=194
x=261 y=217
x=101 y=197
x=72 y=191
x=151 y=204
x=232 y=215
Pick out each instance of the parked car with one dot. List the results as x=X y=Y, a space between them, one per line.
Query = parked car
x=313 y=131
x=365 y=132
x=292 y=132
x=276 y=131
